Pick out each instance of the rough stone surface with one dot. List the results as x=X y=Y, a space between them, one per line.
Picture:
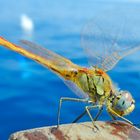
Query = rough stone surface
x=81 y=131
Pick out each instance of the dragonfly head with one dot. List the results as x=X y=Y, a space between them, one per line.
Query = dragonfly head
x=121 y=103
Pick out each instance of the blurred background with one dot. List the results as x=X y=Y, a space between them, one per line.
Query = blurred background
x=30 y=93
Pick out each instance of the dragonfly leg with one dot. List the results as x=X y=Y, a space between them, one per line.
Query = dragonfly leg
x=99 y=113
x=80 y=116
x=110 y=111
x=85 y=112
x=88 y=108
x=126 y=120
x=68 y=99
x=112 y=116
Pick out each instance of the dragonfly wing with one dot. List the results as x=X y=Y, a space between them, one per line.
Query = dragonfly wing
x=92 y=41
x=110 y=61
x=106 y=43
x=76 y=89
x=50 y=56
x=53 y=61
x=59 y=62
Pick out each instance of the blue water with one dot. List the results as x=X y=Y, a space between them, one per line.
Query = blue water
x=29 y=93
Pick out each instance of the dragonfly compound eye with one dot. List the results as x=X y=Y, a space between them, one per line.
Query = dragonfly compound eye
x=124 y=102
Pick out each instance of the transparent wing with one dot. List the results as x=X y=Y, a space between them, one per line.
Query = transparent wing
x=60 y=63
x=105 y=43
x=54 y=59
x=76 y=89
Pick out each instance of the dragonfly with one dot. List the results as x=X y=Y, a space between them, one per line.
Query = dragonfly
x=92 y=84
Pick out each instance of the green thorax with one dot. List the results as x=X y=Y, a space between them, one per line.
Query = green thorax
x=96 y=84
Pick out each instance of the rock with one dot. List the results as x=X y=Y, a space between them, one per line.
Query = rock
x=81 y=131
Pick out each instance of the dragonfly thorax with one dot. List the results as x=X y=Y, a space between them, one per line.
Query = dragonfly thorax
x=121 y=103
